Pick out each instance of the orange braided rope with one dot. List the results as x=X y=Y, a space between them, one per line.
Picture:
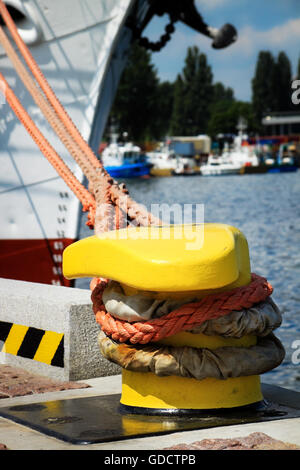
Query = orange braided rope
x=48 y=151
x=43 y=83
x=115 y=194
x=50 y=114
x=104 y=189
x=184 y=318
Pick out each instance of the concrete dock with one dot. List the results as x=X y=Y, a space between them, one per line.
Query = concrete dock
x=49 y=357
x=20 y=437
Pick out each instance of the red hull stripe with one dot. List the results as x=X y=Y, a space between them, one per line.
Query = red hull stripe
x=34 y=260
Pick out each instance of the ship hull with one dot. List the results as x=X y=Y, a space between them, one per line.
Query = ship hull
x=36 y=260
x=283 y=169
x=129 y=171
x=82 y=55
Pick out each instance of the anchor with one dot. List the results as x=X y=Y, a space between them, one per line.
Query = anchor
x=186 y=12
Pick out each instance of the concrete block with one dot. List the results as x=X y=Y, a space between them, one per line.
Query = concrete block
x=50 y=330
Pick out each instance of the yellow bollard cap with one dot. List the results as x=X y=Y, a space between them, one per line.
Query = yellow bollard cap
x=164 y=259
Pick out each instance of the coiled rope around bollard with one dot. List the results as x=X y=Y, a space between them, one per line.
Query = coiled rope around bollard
x=183 y=318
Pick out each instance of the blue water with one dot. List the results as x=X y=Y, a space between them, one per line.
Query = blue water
x=266 y=208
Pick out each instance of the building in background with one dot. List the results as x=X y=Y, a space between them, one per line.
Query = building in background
x=283 y=123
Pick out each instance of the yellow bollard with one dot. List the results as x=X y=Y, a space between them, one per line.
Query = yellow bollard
x=174 y=262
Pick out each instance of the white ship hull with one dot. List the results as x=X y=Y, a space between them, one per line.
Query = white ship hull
x=219 y=170
x=81 y=48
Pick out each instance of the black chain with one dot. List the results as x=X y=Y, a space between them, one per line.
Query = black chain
x=157 y=46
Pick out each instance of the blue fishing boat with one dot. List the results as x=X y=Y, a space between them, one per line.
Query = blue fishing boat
x=125 y=160
x=283 y=168
x=285 y=160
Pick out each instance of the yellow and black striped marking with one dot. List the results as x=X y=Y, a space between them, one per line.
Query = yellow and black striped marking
x=32 y=343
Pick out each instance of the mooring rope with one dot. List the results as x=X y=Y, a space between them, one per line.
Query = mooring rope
x=108 y=203
x=103 y=188
x=184 y=318
x=48 y=151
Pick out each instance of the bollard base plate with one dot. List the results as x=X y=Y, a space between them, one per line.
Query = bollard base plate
x=91 y=420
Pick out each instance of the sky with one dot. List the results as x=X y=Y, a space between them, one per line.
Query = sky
x=272 y=25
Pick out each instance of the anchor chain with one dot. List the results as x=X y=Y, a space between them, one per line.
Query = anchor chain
x=163 y=40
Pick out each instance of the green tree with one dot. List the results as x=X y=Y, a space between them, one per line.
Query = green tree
x=282 y=82
x=264 y=86
x=242 y=109
x=176 y=124
x=222 y=100
x=221 y=93
x=135 y=106
x=193 y=94
x=160 y=126
x=225 y=116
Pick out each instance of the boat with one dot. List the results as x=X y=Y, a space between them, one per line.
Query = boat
x=163 y=160
x=219 y=166
x=273 y=159
x=243 y=155
x=283 y=162
x=190 y=152
x=250 y=169
x=125 y=160
x=237 y=157
x=81 y=48
x=185 y=168
x=270 y=167
x=282 y=168
x=237 y=160
x=171 y=164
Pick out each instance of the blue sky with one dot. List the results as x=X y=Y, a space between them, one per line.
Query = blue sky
x=272 y=25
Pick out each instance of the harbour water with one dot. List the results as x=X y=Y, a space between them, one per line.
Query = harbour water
x=266 y=208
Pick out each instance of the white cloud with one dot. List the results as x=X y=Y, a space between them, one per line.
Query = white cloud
x=235 y=65
x=279 y=37
x=210 y=4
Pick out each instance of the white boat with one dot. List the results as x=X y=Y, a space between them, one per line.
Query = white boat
x=218 y=166
x=185 y=166
x=189 y=152
x=81 y=46
x=232 y=160
x=163 y=161
x=242 y=154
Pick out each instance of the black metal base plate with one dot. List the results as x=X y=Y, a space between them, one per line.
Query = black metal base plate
x=100 y=419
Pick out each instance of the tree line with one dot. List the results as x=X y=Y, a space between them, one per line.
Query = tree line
x=148 y=109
